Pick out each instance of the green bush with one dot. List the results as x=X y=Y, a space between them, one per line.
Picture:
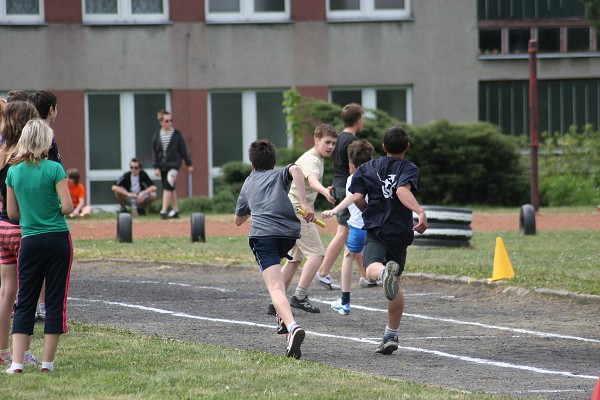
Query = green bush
x=467 y=163
x=569 y=168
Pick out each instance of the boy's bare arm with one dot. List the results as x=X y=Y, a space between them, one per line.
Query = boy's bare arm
x=298 y=179
x=240 y=219
x=349 y=199
x=407 y=198
x=314 y=183
x=359 y=201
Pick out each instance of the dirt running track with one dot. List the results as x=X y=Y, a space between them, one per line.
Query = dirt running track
x=83 y=229
x=470 y=337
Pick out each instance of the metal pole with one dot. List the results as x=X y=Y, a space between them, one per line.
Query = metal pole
x=533 y=124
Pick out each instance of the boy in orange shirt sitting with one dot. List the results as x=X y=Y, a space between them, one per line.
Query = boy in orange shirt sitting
x=77 y=191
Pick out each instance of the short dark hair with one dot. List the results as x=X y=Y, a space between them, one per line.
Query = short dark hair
x=73 y=173
x=351 y=113
x=396 y=140
x=17 y=95
x=136 y=160
x=262 y=154
x=43 y=100
x=359 y=152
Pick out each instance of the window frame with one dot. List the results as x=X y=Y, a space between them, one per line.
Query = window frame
x=369 y=97
x=247 y=14
x=124 y=15
x=22 y=19
x=367 y=12
x=249 y=127
x=127 y=139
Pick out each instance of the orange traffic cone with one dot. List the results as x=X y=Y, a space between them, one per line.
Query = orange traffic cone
x=596 y=394
x=502 y=267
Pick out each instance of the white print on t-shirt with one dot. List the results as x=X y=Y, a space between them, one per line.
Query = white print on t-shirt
x=388 y=185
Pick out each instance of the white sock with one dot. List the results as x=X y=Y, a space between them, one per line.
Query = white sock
x=48 y=365
x=15 y=366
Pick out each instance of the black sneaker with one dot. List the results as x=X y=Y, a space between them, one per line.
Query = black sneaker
x=388 y=345
x=271 y=310
x=303 y=304
x=141 y=211
x=281 y=328
x=294 y=341
x=173 y=214
x=123 y=210
x=390 y=280
x=40 y=318
x=164 y=215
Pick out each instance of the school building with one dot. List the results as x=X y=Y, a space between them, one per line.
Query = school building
x=221 y=67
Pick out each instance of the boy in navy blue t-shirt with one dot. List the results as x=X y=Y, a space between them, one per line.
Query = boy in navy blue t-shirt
x=389 y=182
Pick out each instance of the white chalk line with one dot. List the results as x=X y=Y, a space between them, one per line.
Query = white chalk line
x=477 y=324
x=348 y=338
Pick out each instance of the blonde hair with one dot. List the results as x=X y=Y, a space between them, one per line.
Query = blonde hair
x=35 y=141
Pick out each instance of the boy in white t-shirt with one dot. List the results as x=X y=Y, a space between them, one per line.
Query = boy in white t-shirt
x=359 y=152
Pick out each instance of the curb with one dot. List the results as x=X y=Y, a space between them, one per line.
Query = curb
x=579 y=297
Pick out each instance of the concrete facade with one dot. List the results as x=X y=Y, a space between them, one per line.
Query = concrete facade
x=434 y=52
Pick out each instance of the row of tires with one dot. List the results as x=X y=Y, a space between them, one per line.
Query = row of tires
x=125 y=231
x=451 y=227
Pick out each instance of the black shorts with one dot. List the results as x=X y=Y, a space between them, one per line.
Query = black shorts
x=377 y=250
x=163 y=179
x=339 y=194
x=269 y=251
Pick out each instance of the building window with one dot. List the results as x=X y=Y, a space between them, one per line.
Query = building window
x=397 y=102
x=561 y=104
x=560 y=28
x=125 y=11
x=119 y=126
x=348 y=10
x=21 y=12
x=237 y=118
x=243 y=11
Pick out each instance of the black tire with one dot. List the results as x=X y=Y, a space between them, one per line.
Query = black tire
x=436 y=242
x=446 y=227
x=527 y=220
x=448 y=215
x=442 y=230
x=124 y=228
x=197 y=227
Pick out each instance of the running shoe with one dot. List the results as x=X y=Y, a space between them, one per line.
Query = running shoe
x=303 y=304
x=390 y=280
x=388 y=345
x=343 y=309
x=327 y=282
x=294 y=341
x=365 y=283
x=30 y=359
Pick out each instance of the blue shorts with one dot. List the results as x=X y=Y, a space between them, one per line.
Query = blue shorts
x=269 y=251
x=355 y=242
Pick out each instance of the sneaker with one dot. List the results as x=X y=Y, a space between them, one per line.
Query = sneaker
x=45 y=370
x=365 y=283
x=388 y=345
x=11 y=371
x=163 y=215
x=141 y=211
x=294 y=341
x=123 y=210
x=343 y=309
x=390 y=280
x=281 y=328
x=303 y=304
x=40 y=318
x=173 y=214
x=327 y=283
x=30 y=359
x=271 y=310
x=6 y=359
